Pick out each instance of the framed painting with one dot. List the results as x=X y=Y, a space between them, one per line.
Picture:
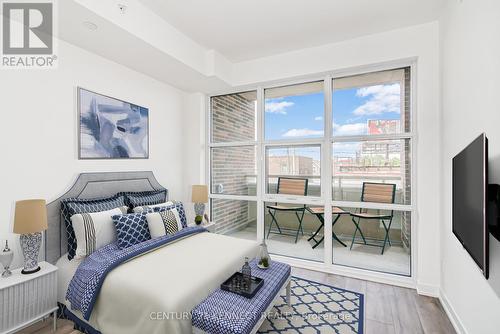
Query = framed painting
x=110 y=128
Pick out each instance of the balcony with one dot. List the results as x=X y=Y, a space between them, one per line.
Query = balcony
x=239 y=219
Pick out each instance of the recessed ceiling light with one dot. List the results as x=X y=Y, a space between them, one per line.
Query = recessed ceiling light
x=90 y=25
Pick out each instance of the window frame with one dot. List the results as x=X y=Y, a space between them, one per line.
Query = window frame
x=326 y=145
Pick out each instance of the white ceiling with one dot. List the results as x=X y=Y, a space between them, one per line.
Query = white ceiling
x=244 y=29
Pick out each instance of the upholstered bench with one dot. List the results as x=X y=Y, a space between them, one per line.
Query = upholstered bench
x=224 y=312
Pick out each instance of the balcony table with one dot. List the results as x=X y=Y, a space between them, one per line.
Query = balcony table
x=320 y=213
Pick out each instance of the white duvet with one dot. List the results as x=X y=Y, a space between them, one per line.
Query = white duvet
x=155 y=292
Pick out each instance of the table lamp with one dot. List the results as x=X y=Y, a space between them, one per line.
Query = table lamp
x=29 y=221
x=199 y=197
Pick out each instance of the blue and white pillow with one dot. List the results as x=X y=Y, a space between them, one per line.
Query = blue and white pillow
x=94 y=230
x=131 y=229
x=164 y=222
x=180 y=209
x=72 y=206
x=149 y=208
x=143 y=198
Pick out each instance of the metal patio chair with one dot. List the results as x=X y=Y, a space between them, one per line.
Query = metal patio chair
x=376 y=193
x=288 y=186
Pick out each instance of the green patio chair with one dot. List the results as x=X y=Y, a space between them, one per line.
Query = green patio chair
x=289 y=186
x=376 y=193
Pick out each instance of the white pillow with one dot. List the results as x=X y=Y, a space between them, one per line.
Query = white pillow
x=164 y=222
x=94 y=230
x=139 y=209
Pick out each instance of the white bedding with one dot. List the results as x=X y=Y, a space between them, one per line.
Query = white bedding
x=65 y=272
x=174 y=278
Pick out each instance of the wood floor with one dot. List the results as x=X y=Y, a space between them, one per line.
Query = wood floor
x=388 y=309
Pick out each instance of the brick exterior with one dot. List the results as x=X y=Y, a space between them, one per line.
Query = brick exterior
x=406 y=218
x=233 y=119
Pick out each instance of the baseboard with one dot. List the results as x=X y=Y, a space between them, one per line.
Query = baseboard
x=452 y=315
x=428 y=290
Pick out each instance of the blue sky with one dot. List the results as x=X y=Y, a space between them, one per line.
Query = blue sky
x=302 y=116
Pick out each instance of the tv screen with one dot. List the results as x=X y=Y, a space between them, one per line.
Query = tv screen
x=470 y=185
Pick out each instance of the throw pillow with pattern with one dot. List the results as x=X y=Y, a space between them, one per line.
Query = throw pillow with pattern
x=72 y=206
x=164 y=222
x=131 y=229
x=94 y=230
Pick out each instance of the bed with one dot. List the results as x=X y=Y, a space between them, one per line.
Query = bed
x=152 y=291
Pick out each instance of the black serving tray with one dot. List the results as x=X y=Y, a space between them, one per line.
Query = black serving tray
x=235 y=284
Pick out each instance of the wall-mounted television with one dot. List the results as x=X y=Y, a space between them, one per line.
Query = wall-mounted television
x=470 y=201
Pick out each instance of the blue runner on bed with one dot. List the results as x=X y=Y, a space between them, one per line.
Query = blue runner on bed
x=86 y=283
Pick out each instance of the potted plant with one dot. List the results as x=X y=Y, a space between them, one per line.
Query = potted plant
x=198 y=219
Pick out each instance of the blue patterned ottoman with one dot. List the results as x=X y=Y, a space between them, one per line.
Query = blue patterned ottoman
x=224 y=312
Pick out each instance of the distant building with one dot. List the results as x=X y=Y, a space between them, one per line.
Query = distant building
x=290 y=165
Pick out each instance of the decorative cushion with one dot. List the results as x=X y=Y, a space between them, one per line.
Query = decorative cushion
x=143 y=198
x=180 y=209
x=131 y=229
x=164 y=222
x=94 y=230
x=72 y=206
x=149 y=208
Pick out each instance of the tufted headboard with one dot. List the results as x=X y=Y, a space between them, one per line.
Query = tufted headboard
x=90 y=185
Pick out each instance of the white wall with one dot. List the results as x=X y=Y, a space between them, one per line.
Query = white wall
x=39 y=129
x=470 y=86
x=194 y=141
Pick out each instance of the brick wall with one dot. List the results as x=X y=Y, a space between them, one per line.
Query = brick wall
x=233 y=119
x=406 y=217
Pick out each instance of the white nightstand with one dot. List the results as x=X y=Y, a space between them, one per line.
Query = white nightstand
x=209 y=226
x=27 y=299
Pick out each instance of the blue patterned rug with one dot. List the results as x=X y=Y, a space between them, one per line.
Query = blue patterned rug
x=316 y=308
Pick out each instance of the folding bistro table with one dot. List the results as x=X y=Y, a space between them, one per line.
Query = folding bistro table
x=320 y=213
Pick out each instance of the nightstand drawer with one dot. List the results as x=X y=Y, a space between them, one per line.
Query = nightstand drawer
x=24 y=298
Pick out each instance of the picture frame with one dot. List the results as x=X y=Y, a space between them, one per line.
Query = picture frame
x=111 y=128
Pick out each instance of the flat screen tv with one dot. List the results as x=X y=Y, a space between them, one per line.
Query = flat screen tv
x=470 y=200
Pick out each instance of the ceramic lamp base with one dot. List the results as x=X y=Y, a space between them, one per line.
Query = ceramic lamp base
x=199 y=209
x=27 y=272
x=30 y=244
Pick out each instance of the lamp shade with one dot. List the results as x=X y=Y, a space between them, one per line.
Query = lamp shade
x=200 y=193
x=30 y=216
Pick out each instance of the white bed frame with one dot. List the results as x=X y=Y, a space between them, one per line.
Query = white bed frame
x=259 y=323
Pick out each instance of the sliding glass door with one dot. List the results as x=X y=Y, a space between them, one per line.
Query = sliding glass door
x=321 y=170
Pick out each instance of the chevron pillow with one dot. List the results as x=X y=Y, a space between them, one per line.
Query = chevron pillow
x=72 y=206
x=180 y=209
x=131 y=229
x=164 y=222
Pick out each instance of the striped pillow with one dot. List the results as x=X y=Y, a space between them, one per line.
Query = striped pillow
x=94 y=230
x=72 y=206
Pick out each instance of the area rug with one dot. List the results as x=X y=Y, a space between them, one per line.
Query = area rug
x=316 y=308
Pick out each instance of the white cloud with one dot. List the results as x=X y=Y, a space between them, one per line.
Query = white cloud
x=382 y=98
x=349 y=129
x=278 y=107
x=302 y=133
x=318 y=118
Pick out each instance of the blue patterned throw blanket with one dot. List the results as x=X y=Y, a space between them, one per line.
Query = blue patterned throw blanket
x=86 y=283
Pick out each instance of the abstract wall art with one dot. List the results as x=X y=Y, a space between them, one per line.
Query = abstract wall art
x=111 y=128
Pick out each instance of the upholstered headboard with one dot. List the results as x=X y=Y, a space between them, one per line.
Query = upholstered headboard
x=91 y=185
